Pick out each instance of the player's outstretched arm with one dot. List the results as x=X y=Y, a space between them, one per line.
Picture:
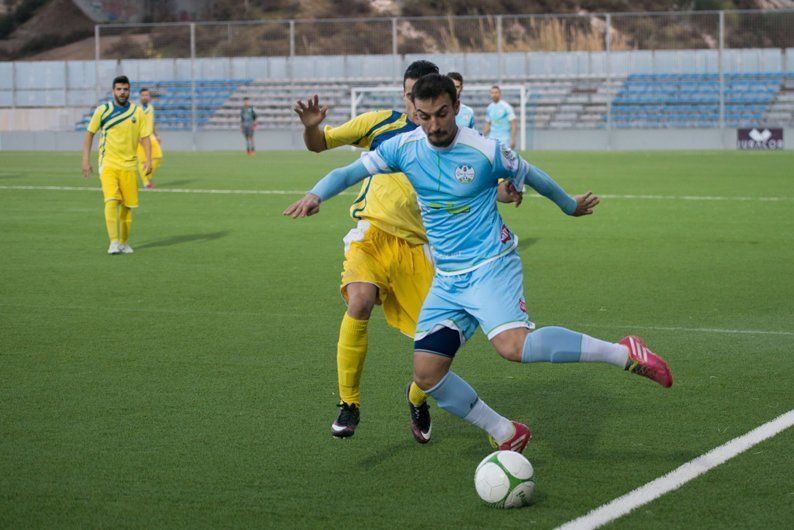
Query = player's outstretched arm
x=312 y=115
x=585 y=204
x=331 y=185
x=541 y=182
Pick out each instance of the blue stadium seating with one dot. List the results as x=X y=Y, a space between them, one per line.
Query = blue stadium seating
x=174 y=104
x=692 y=100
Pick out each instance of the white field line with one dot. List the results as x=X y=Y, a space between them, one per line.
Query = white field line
x=692 y=330
x=299 y=192
x=678 y=477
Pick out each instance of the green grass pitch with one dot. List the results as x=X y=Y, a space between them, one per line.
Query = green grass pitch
x=193 y=383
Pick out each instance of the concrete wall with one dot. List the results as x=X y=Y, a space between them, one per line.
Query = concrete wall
x=552 y=140
x=73 y=83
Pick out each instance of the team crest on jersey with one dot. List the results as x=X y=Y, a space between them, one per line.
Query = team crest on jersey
x=464 y=173
x=134 y=120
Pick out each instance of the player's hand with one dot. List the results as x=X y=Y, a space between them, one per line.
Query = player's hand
x=309 y=205
x=512 y=143
x=87 y=169
x=507 y=193
x=311 y=113
x=585 y=204
x=147 y=168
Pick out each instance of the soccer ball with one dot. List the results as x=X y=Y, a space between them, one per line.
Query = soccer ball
x=505 y=479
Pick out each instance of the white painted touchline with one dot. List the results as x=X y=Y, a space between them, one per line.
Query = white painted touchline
x=675 y=479
x=299 y=192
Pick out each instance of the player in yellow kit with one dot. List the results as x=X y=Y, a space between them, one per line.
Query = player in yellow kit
x=385 y=258
x=386 y=261
x=157 y=152
x=123 y=125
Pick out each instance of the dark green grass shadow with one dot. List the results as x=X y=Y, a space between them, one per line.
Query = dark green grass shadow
x=187 y=238
x=525 y=243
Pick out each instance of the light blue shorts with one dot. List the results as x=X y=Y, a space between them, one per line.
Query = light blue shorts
x=491 y=297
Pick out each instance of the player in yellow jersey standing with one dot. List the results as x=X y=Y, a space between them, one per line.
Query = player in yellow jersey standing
x=123 y=125
x=386 y=260
x=157 y=151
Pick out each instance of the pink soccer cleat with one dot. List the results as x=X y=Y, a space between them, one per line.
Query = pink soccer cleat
x=642 y=361
x=518 y=442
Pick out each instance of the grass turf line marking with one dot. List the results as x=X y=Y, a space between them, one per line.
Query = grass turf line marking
x=298 y=192
x=694 y=330
x=678 y=477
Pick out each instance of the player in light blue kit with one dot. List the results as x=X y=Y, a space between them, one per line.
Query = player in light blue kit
x=500 y=120
x=479 y=280
x=465 y=115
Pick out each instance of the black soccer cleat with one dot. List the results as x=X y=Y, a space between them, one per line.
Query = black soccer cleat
x=346 y=422
x=421 y=425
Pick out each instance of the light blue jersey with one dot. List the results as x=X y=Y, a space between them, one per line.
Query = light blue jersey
x=478 y=273
x=456 y=189
x=465 y=117
x=499 y=116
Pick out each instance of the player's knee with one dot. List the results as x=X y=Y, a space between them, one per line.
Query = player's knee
x=360 y=301
x=426 y=378
x=510 y=343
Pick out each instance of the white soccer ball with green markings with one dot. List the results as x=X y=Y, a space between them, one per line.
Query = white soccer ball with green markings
x=505 y=479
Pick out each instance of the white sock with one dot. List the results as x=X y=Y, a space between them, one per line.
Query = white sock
x=487 y=419
x=601 y=351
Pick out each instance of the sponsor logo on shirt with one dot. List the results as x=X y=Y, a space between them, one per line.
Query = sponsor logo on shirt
x=506 y=235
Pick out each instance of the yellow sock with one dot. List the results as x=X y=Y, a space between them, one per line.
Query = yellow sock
x=112 y=220
x=416 y=395
x=350 y=353
x=125 y=216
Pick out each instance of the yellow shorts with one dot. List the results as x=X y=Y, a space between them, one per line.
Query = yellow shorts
x=120 y=185
x=402 y=272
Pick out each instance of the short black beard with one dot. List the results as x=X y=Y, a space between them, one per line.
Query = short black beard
x=119 y=102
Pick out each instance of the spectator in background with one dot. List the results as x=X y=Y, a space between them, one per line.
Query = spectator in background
x=500 y=120
x=465 y=116
x=248 y=125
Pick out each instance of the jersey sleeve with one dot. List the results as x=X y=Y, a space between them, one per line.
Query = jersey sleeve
x=384 y=159
x=511 y=115
x=96 y=119
x=471 y=120
x=144 y=127
x=488 y=114
x=356 y=131
x=520 y=172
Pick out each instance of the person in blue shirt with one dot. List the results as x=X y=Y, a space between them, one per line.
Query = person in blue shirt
x=465 y=116
x=500 y=120
x=479 y=278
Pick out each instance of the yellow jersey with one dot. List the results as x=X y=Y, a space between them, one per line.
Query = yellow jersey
x=149 y=111
x=388 y=201
x=122 y=128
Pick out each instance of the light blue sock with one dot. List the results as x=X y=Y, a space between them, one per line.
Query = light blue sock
x=552 y=344
x=559 y=345
x=457 y=397
x=454 y=395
